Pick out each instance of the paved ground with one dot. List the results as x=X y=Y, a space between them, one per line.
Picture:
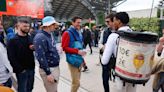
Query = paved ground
x=90 y=81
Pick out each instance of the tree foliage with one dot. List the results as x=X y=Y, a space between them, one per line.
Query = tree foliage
x=146 y=24
x=101 y=18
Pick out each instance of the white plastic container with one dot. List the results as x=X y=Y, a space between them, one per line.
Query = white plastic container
x=135 y=56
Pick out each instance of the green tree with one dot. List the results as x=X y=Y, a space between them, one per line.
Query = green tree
x=101 y=18
x=87 y=24
x=146 y=24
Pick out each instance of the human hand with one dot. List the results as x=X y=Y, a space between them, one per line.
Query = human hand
x=50 y=78
x=32 y=47
x=82 y=53
x=161 y=40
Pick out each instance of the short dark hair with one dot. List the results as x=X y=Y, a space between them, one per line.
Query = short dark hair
x=110 y=16
x=24 y=20
x=75 y=18
x=123 y=17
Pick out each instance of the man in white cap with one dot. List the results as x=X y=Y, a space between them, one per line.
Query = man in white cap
x=47 y=54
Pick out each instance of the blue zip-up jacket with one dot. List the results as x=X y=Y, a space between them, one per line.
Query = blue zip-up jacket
x=77 y=35
x=46 y=52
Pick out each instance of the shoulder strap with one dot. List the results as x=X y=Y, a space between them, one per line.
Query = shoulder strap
x=117 y=43
x=73 y=35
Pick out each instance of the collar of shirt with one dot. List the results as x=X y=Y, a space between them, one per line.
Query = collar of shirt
x=17 y=35
x=76 y=29
x=125 y=28
x=73 y=27
x=77 y=32
x=46 y=33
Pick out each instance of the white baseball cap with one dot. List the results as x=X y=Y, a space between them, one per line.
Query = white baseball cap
x=49 y=20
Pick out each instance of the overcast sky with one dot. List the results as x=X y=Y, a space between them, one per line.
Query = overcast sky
x=130 y=5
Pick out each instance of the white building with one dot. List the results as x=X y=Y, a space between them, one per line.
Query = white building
x=145 y=13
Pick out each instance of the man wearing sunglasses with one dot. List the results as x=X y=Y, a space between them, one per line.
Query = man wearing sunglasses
x=104 y=36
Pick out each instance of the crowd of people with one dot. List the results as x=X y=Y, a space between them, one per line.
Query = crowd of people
x=24 y=44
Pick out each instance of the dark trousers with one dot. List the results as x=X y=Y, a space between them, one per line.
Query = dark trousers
x=25 y=80
x=96 y=42
x=8 y=83
x=90 y=46
x=105 y=77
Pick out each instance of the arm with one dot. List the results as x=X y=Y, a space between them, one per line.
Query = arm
x=30 y=39
x=101 y=40
x=159 y=49
x=160 y=46
x=101 y=37
x=158 y=67
x=109 y=49
x=4 y=58
x=65 y=44
x=40 y=46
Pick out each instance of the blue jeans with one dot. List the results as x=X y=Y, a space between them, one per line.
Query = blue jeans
x=8 y=83
x=25 y=80
x=105 y=76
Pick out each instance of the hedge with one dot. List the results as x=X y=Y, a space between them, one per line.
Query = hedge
x=146 y=24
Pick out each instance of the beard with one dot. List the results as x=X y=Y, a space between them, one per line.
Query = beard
x=24 y=31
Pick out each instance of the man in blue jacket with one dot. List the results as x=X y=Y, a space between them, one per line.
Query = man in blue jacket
x=47 y=55
x=68 y=41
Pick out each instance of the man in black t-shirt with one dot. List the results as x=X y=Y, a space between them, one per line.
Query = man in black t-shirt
x=20 y=54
